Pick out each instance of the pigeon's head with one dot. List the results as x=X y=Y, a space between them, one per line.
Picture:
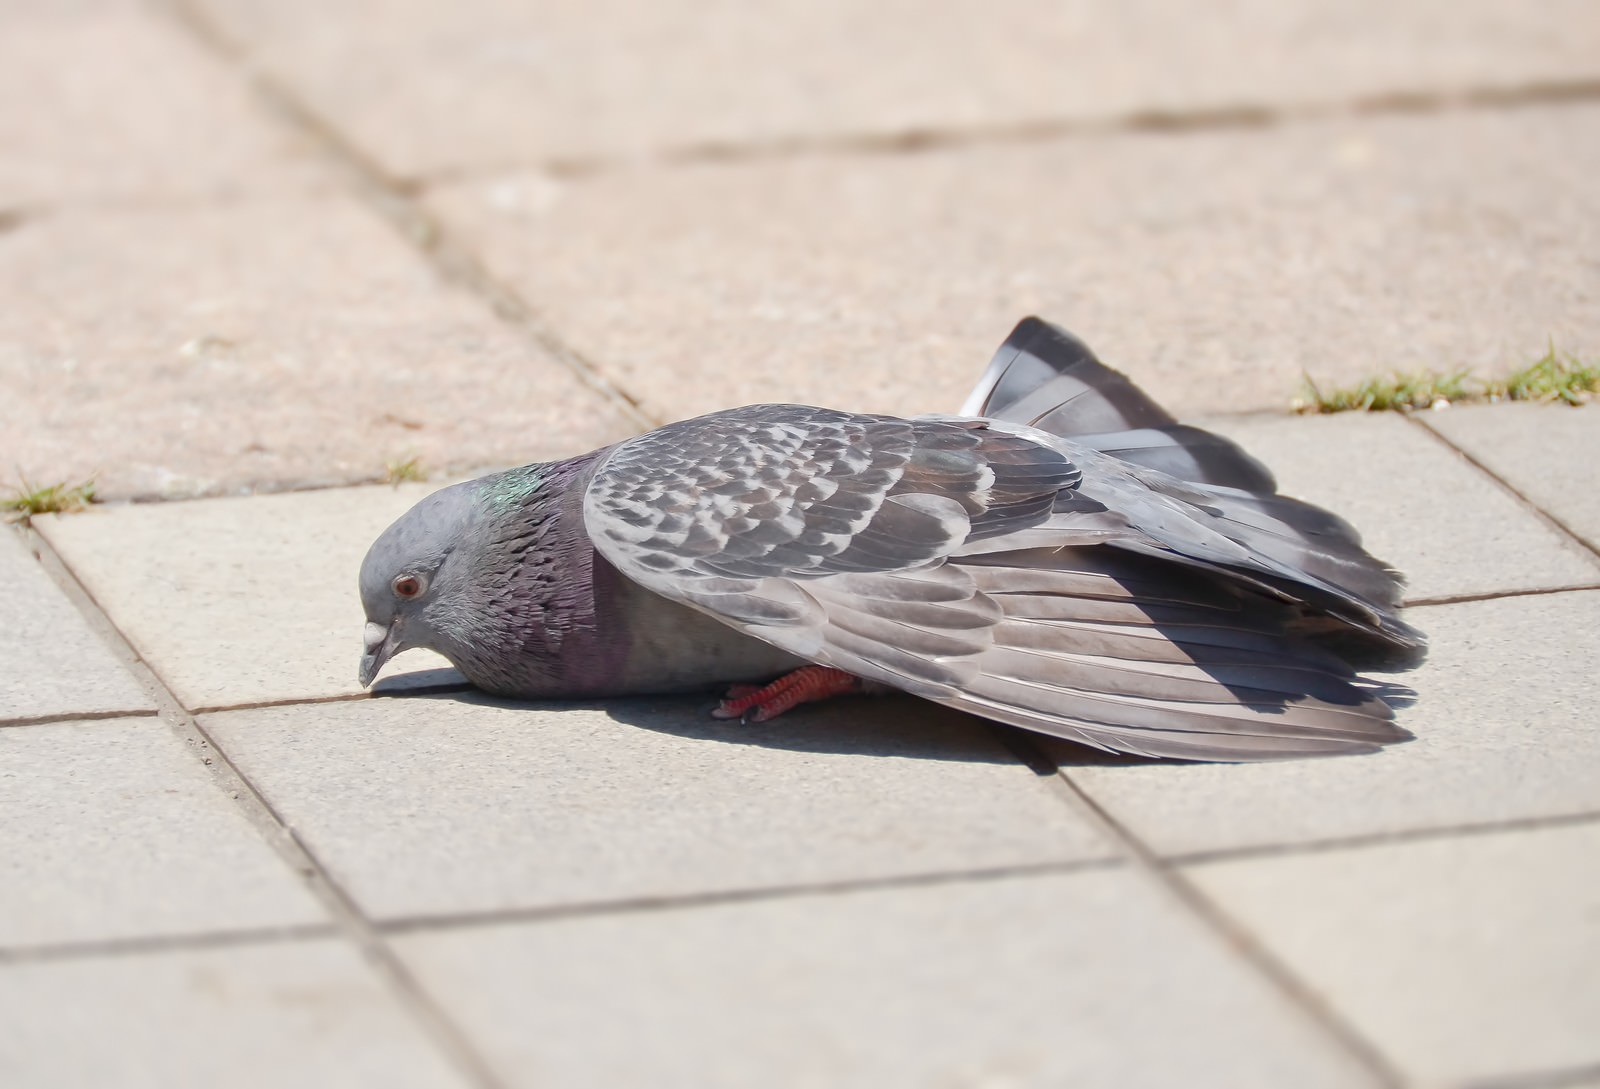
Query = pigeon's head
x=412 y=574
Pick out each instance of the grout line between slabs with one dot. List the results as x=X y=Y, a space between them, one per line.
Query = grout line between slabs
x=1381 y=839
x=400 y=926
x=686 y=901
x=21 y=721
x=165 y=943
x=342 y=697
x=348 y=920
x=1566 y=532
x=1188 y=897
x=1493 y=595
x=1565 y=1078
x=399 y=206
x=927 y=138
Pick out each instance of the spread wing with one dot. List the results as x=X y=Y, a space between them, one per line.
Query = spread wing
x=970 y=565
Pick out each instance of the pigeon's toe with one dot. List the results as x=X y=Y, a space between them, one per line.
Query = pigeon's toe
x=752 y=703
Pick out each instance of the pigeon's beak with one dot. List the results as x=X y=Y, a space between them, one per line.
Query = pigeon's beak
x=381 y=643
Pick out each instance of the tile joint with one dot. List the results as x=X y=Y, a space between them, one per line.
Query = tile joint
x=688 y=901
x=1496 y=595
x=165 y=943
x=340 y=697
x=56 y=717
x=1381 y=839
x=1572 y=1077
x=1155 y=121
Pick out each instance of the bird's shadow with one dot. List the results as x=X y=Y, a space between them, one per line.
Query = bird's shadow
x=890 y=725
x=881 y=726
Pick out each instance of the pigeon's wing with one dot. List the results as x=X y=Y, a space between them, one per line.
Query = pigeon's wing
x=741 y=512
x=899 y=550
x=1046 y=378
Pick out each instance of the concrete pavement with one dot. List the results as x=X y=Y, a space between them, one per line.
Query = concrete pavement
x=254 y=248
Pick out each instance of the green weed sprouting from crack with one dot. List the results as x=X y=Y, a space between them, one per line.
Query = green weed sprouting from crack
x=31 y=499
x=397 y=472
x=1551 y=378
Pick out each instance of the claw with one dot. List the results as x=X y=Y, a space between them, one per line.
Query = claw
x=753 y=703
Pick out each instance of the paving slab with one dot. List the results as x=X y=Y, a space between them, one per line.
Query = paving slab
x=242 y=600
x=487 y=82
x=1419 y=505
x=112 y=830
x=1213 y=267
x=51 y=662
x=1505 y=731
x=440 y=805
x=1549 y=453
x=116 y=102
x=1466 y=960
x=305 y=1013
x=1086 y=979
x=214 y=349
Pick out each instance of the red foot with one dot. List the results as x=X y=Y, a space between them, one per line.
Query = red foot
x=807 y=684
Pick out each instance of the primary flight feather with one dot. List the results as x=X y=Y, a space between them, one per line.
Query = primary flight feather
x=1062 y=556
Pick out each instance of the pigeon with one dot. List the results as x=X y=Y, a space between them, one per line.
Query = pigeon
x=1061 y=555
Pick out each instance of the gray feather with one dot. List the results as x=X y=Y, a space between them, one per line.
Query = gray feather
x=1046 y=378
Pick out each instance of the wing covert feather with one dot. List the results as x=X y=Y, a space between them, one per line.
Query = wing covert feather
x=794 y=492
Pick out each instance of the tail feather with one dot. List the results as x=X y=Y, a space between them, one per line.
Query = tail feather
x=1046 y=378
x=1044 y=371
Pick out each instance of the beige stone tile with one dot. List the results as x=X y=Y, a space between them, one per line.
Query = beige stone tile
x=489 y=82
x=111 y=830
x=1505 y=731
x=51 y=663
x=1215 y=268
x=1084 y=979
x=1465 y=960
x=1419 y=505
x=306 y=1013
x=213 y=349
x=426 y=806
x=1549 y=453
x=117 y=101
x=240 y=600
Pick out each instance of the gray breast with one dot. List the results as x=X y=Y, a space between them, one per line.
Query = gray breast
x=673 y=648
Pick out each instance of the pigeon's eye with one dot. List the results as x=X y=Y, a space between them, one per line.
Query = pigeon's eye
x=407 y=586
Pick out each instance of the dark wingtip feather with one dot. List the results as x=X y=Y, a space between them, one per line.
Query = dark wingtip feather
x=1046 y=378
x=1044 y=371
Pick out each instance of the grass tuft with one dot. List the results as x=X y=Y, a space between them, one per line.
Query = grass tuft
x=1551 y=378
x=398 y=472
x=30 y=499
